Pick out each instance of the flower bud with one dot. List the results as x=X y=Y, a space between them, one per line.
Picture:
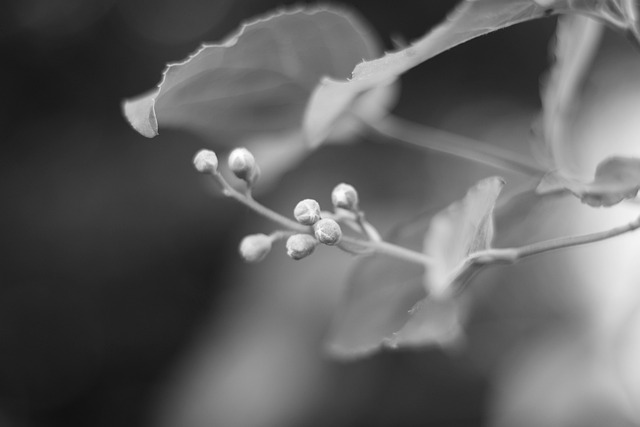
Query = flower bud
x=307 y=212
x=255 y=247
x=243 y=165
x=327 y=231
x=206 y=161
x=345 y=196
x=300 y=246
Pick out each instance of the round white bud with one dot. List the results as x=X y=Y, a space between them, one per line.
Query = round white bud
x=255 y=247
x=327 y=231
x=243 y=165
x=344 y=196
x=206 y=161
x=300 y=246
x=307 y=212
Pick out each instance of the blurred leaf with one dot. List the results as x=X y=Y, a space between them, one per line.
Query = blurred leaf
x=456 y=233
x=258 y=80
x=562 y=379
x=369 y=318
x=472 y=18
x=387 y=304
x=431 y=322
x=616 y=179
x=574 y=46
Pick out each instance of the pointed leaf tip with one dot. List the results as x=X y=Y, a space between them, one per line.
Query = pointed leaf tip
x=141 y=115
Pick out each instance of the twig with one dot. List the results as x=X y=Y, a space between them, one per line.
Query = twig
x=511 y=255
x=455 y=145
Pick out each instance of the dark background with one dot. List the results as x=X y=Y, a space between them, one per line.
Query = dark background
x=116 y=256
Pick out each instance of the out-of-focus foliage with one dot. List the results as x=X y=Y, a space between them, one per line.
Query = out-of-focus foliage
x=122 y=296
x=616 y=179
x=471 y=19
x=395 y=304
x=256 y=82
x=574 y=45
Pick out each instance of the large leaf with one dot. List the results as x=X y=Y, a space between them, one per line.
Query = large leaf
x=387 y=303
x=471 y=19
x=258 y=80
x=456 y=234
x=616 y=179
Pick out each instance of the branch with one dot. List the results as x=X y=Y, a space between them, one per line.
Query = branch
x=456 y=145
x=512 y=255
x=377 y=246
x=251 y=203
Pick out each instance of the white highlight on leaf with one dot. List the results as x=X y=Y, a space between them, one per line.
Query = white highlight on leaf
x=456 y=233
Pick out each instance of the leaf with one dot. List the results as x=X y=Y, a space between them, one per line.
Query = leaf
x=431 y=322
x=472 y=18
x=387 y=304
x=368 y=320
x=616 y=179
x=258 y=80
x=574 y=47
x=381 y=291
x=456 y=234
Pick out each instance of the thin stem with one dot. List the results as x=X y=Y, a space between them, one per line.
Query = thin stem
x=281 y=234
x=455 y=145
x=377 y=246
x=511 y=255
x=390 y=249
x=366 y=227
x=248 y=201
x=490 y=256
x=567 y=242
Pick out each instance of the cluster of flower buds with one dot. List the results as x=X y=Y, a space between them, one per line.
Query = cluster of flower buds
x=255 y=247
x=326 y=230
x=241 y=162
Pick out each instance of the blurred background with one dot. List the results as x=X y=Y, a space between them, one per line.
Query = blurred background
x=123 y=301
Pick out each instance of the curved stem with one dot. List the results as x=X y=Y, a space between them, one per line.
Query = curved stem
x=486 y=257
x=567 y=242
x=455 y=145
x=376 y=246
x=511 y=255
x=390 y=249
x=251 y=203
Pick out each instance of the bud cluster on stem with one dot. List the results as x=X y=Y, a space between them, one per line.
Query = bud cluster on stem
x=310 y=227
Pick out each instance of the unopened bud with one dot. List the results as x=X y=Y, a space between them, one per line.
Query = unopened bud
x=307 y=212
x=301 y=245
x=345 y=196
x=206 y=161
x=243 y=165
x=255 y=247
x=327 y=231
